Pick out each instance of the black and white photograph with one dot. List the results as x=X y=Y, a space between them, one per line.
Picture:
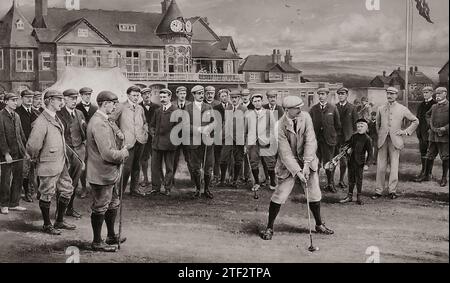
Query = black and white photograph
x=245 y=132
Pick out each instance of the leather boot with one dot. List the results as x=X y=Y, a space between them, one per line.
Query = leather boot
x=110 y=220
x=98 y=244
x=197 y=181
x=422 y=172
x=427 y=175
x=208 y=193
x=61 y=211
x=348 y=199
x=330 y=179
x=443 y=182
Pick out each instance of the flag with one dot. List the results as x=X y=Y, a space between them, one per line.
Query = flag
x=424 y=10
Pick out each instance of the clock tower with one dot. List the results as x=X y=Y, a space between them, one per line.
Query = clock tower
x=176 y=33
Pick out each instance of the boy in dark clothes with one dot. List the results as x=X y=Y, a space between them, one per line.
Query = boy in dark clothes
x=374 y=135
x=360 y=145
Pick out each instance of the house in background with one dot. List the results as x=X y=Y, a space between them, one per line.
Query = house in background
x=269 y=72
x=151 y=49
x=443 y=76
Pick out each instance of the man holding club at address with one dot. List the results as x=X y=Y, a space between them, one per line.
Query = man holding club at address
x=297 y=164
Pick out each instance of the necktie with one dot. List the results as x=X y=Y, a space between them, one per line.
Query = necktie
x=295 y=125
x=72 y=115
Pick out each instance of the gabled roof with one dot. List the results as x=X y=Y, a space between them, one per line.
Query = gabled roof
x=206 y=25
x=225 y=42
x=173 y=12
x=443 y=68
x=210 y=51
x=9 y=34
x=263 y=63
x=106 y=23
x=416 y=78
x=385 y=80
x=71 y=26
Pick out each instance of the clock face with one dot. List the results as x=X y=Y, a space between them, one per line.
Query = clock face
x=176 y=25
x=188 y=26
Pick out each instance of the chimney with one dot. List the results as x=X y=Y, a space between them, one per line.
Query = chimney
x=288 y=57
x=40 y=7
x=278 y=56
x=165 y=5
x=274 y=56
x=384 y=73
x=416 y=69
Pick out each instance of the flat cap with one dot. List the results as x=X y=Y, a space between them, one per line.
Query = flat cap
x=245 y=92
x=272 y=93
x=70 y=92
x=181 y=88
x=235 y=92
x=392 y=90
x=364 y=99
x=323 y=89
x=257 y=95
x=361 y=120
x=224 y=90
x=292 y=102
x=37 y=94
x=106 y=96
x=210 y=88
x=166 y=90
x=427 y=88
x=10 y=95
x=53 y=93
x=197 y=88
x=342 y=90
x=441 y=90
x=86 y=90
x=26 y=92
x=146 y=90
x=133 y=88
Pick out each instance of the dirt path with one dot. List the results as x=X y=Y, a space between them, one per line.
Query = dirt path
x=413 y=228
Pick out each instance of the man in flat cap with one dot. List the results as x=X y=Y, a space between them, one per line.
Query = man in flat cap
x=297 y=166
x=260 y=136
x=85 y=105
x=47 y=146
x=348 y=116
x=130 y=117
x=210 y=98
x=327 y=125
x=37 y=103
x=438 y=134
x=246 y=99
x=149 y=111
x=422 y=133
x=233 y=149
x=272 y=96
x=12 y=147
x=390 y=140
x=104 y=159
x=163 y=148
x=201 y=154
x=27 y=117
x=75 y=136
x=182 y=103
x=224 y=99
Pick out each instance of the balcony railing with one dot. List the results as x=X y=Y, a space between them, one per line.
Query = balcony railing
x=183 y=77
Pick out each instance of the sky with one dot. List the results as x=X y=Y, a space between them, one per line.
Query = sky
x=314 y=30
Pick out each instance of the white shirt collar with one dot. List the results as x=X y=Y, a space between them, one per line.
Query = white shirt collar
x=51 y=113
x=167 y=106
x=26 y=108
x=343 y=104
x=131 y=103
x=429 y=100
x=181 y=103
x=323 y=104
x=70 y=110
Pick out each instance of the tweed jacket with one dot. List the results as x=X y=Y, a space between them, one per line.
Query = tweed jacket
x=132 y=122
x=12 y=137
x=438 y=117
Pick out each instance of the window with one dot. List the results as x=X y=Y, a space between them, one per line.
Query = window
x=68 y=55
x=46 y=61
x=1 y=59
x=19 y=25
x=132 y=61
x=24 y=61
x=127 y=27
x=83 y=32
x=82 y=56
x=97 y=58
x=171 y=62
x=152 y=61
x=253 y=77
x=180 y=65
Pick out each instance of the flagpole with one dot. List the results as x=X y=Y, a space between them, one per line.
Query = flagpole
x=406 y=93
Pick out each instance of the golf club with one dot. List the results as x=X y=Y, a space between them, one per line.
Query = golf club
x=311 y=247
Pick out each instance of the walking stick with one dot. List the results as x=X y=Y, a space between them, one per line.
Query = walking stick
x=311 y=247
x=202 y=171
x=255 y=192
x=120 y=200
x=14 y=161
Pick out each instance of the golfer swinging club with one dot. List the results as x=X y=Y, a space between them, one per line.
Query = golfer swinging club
x=297 y=147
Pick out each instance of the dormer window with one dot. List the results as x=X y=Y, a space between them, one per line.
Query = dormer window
x=82 y=32
x=19 y=24
x=127 y=27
